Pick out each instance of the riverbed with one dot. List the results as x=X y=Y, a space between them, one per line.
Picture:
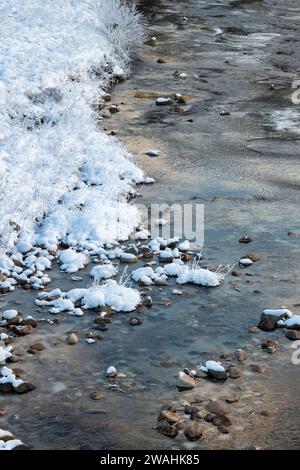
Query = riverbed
x=234 y=149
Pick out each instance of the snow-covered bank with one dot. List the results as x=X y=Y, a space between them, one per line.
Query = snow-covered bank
x=61 y=177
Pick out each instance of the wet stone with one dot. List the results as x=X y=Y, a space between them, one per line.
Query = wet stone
x=217 y=407
x=293 y=335
x=193 y=431
x=167 y=429
x=258 y=368
x=169 y=416
x=36 y=348
x=269 y=346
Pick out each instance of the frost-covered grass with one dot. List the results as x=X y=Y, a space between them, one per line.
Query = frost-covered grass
x=60 y=176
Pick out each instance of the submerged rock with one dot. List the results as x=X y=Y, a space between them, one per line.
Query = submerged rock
x=293 y=335
x=258 y=368
x=269 y=346
x=72 y=339
x=217 y=407
x=234 y=372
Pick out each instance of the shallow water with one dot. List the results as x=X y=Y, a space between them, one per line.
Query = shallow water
x=248 y=184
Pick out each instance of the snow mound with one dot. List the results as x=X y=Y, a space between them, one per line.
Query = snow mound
x=61 y=178
x=200 y=276
x=72 y=261
x=104 y=271
x=114 y=295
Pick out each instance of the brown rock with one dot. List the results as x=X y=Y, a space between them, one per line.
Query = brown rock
x=217 y=407
x=267 y=322
x=254 y=330
x=258 y=368
x=2 y=413
x=209 y=417
x=185 y=382
x=269 y=346
x=167 y=429
x=253 y=256
x=72 y=339
x=232 y=398
x=169 y=416
x=222 y=421
x=22 y=330
x=25 y=387
x=234 y=372
x=35 y=348
x=13 y=359
x=180 y=425
x=6 y=388
x=135 y=321
x=236 y=273
x=193 y=431
x=96 y=396
x=293 y=335
x=30 y=322
x=223 y=429
x=240 y=355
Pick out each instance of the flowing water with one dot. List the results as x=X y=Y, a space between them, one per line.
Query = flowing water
x=240 y=57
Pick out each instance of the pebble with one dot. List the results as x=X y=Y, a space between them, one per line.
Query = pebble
x=96 y=396
x=152 y=153
x=169 y=416
x=114 y=109
x=253 y=257
x=36 y=348
x=221 y=421
x=269 y=346
x=267 y=322
x=217 y=407
x=176 y=292
x=232 y=398
x=223 y=429
x=259 y=369
x=167 y=429
x=224 y=113
x=135 y=321
x=184 y=381
x=293 y=334
x=72 y=339
x=234 y=372
x=193 y=431
x=240 y=355
x=153 y=42
x=254 y=330
x=111 y=372
x=245 y=239
x=236 y=273
x=163 y=101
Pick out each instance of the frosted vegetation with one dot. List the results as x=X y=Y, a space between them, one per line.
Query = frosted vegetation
x=61 y=178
